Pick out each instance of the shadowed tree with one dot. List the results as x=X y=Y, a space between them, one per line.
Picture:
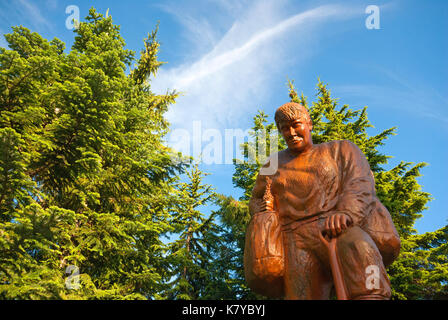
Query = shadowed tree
x=192 y=254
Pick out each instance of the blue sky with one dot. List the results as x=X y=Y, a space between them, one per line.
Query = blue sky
x=231 y=58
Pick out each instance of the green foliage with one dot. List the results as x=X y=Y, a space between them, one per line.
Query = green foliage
x=254 y=152
x=234 y=216
x=85 y=179
x=191 y=255
x=421 y=270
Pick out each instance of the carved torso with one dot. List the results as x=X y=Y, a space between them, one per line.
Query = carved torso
x=308 y=184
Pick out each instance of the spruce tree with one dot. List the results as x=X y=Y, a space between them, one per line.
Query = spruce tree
x=191 y=255
x=85 y=179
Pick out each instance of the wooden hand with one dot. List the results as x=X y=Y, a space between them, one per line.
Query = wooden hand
x=336 y=224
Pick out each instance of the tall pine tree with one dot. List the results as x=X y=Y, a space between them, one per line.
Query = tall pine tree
x=85 y=179
x=191 y=255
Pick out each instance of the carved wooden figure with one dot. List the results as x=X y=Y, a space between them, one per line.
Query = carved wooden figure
x=317 y=224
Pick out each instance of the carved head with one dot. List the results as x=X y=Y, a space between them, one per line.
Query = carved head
x=294 y=123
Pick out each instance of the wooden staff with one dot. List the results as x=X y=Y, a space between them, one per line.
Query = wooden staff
x=338 y=279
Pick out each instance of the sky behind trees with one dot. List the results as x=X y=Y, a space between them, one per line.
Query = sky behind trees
x=231 y=58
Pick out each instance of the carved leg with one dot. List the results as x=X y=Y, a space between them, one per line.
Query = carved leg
x=362 y=266
x=305 y=276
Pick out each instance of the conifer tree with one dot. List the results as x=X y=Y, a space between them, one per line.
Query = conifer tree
x=191 y=254
x=85 y=179
x=421 y=270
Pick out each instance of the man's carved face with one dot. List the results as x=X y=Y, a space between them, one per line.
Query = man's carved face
x=297 y=133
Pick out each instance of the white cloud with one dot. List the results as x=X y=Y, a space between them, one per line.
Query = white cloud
x=233 y=79
x=33 y=13
x=199 y=32
x=219 y=59
x=25 y=12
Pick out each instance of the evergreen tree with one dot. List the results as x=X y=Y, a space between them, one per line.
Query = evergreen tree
x=234 y=215
x=421 y=270
x=192 y=253
x=85 y=179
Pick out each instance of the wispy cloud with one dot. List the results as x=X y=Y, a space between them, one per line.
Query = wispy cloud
x=411 y=96
x=26 y=13
x=199 y=31
x=235 y=75
x=217 y=60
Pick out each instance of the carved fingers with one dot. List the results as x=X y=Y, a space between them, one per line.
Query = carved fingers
x=336 y=224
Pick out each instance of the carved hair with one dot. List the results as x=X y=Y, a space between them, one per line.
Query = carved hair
x=290 y=111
